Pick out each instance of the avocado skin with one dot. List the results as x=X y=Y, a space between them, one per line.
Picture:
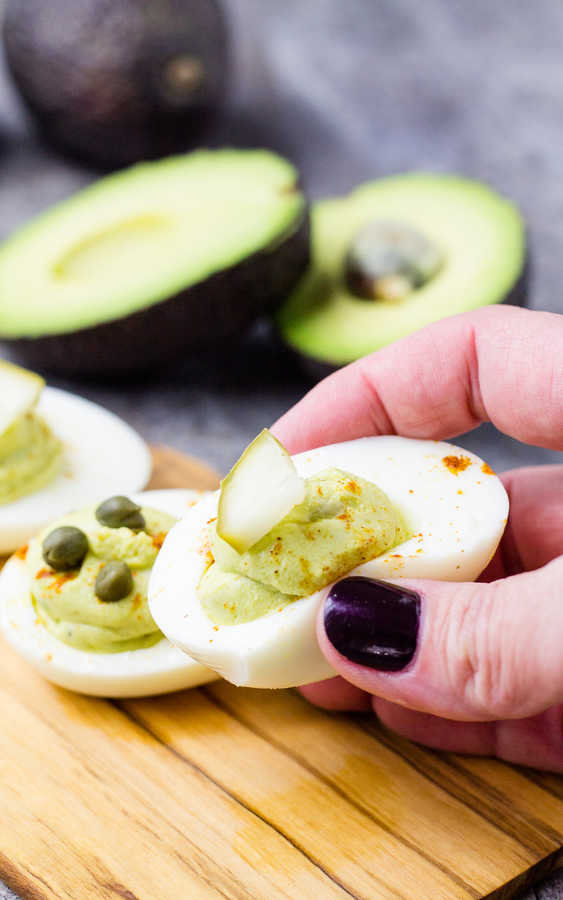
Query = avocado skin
x=207 y=314
x=92 y=73
x=317 y=369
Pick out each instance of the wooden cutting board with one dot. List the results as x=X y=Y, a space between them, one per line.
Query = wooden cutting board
x=226 y=792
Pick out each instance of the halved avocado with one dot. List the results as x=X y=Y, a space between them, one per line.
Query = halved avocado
x=154 y=262
x=397 y=254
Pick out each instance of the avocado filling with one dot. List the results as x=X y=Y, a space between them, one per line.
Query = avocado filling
x=30 y=457
x=86 y=606
x=388 y=260
x=343 y=521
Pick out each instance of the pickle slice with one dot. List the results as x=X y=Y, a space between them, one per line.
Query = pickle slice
x=19 y=392
x=259 y=491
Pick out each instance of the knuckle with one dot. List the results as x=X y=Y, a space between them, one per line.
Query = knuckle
x=480 y=658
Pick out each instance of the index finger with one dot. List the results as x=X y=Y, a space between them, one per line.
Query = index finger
x=497 y=364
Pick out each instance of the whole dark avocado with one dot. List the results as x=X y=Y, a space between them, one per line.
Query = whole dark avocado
x=153 y=263
x=116 y=81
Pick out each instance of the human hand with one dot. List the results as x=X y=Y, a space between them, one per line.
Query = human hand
x=485 y=674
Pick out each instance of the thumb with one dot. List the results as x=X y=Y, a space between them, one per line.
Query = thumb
x=466 y=651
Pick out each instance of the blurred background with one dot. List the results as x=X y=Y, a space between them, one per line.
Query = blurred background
x=348 y=91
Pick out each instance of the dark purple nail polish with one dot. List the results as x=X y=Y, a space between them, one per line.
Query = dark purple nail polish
x=372 y=623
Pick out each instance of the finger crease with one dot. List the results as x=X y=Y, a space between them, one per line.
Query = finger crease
x=378 y=410
x=474 y=397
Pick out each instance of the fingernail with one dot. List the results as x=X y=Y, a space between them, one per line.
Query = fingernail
x=372 y=623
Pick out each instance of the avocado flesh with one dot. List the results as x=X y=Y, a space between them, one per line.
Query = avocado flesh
x=479 y=233
x=157 y=260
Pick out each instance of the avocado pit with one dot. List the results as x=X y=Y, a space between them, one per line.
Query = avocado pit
x=387 y=260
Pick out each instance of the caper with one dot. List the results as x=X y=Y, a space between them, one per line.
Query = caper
x=388 y=260
x=65 y=548
x=114 y=581
x=120 y=512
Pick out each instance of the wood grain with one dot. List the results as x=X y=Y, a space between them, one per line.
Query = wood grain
x=226 y=792
x=173 y=469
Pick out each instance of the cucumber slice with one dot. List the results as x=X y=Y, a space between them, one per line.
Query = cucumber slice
x=259 y=491
x=19 y=392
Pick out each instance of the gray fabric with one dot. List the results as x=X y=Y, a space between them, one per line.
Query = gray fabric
x=550 y=888
x=6 y=893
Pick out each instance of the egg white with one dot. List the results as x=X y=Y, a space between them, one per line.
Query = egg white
x=132 y=673
x=102 y=456
x=456 y=519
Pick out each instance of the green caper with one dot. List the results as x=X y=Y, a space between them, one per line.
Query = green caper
x=120 y=512
x=114 y=581
x=65 y=548
x=388 y=260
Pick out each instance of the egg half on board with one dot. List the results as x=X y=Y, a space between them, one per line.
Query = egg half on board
x=453 y=506
x=100 y=454
x=132 y=673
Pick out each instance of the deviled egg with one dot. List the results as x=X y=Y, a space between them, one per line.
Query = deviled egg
x=58 y=452
x=74 y=602
x=239 y=581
